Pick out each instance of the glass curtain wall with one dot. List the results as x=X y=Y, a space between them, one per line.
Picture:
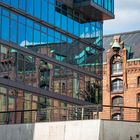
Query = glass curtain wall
x=29 y=34
x=33 y=71
x=106 y=4
x=56 y=31
x=55 y=13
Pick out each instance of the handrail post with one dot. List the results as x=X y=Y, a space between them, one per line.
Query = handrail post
x=121 y=111
x=67 y=114
x=49 y=113
x=22 y=116
x=82 y=114
x=138 y=115
x=97 y=108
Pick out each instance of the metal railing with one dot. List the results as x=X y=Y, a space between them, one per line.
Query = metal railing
x=105 y=112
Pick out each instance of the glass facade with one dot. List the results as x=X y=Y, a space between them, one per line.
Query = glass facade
x=105 y=4
x=52 y=47
x=56 y=14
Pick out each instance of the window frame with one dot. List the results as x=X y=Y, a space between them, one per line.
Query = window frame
x=117 y=85
x=116 y=68
x=119 y=101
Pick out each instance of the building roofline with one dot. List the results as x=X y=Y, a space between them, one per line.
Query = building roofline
x=135 y=59
x=130 y=32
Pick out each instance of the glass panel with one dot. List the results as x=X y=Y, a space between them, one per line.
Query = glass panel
x=117 y=85
x=44 y=12
x=30 y=6
x=6 y=1
x=13 y=31
x=117 y=101
x=14 y=3
x=37 y=7
x=117 y=68
x=5 y=28
x=27 y=106
x=22 y=4
x=21 y=34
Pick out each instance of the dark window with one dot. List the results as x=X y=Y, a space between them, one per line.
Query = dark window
x=63 y=87
x=116 y=116
x=138 y=82
x=138 y=97
x=117 y=85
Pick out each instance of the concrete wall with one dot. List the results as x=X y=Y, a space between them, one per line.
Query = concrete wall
x=74 y=130
x=117 y=130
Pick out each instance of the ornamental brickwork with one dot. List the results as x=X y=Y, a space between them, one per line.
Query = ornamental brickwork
x=121 y=82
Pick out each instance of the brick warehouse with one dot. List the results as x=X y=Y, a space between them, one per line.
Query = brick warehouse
x=121 y=75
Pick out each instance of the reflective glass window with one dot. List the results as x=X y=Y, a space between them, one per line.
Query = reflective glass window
x=13 y=31
x=30 y=6
x=14 y=3
x=37 y=8
x=5 y=28
x=22 y=4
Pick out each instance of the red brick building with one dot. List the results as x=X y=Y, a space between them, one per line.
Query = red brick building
x=121 y=75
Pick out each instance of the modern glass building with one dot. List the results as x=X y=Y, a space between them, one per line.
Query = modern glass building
x=50 y=54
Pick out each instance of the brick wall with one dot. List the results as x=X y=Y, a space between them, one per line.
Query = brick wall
x=130 y=74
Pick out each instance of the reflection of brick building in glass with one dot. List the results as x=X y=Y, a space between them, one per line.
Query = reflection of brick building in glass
x=121 y=75
x=50 y=54
x=38 y=73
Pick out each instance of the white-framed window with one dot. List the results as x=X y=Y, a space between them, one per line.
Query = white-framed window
x=117 y=68
x=117 y=85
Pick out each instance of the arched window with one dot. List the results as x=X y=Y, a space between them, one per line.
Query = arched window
x=116 y=116
x=117 y=111
x=116 y=65
x=117 y=85
x=117 y=101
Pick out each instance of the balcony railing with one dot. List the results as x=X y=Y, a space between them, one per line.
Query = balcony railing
x=71 y=113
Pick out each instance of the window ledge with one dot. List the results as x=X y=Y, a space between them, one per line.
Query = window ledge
x=117 y=92
x=117 y=74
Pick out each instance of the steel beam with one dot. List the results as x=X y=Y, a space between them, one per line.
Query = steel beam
x=39 y=92
x=51 y=60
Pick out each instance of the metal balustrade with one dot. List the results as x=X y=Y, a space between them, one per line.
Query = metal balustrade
x=51 y=114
